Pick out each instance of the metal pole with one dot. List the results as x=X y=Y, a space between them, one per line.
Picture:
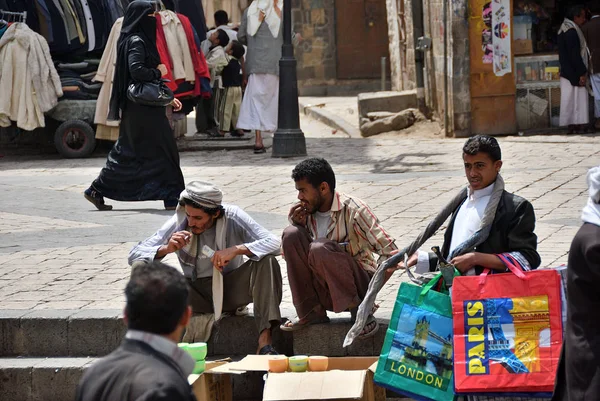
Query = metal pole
x=288 y=140
x=418 y=32
x=383 y=77
x=446 y=102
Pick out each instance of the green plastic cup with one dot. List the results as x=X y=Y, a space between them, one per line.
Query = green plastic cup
x=198 y=351
x=199 y=367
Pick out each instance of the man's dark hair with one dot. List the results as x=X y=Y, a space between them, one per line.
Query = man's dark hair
x=315 y=170
x=574 y=11
x=223 y=37
x=237 y=49
x=483 y=143
x=211 y=211
x=157 y=298
x=221 y=17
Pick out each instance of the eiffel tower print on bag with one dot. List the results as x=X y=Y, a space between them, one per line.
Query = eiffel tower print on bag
x=507 y=331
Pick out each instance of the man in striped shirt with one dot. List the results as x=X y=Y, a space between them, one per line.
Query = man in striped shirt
x=329 y=247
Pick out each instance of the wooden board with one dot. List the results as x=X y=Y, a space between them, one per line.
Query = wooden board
x=362 y=38
x=492 y=97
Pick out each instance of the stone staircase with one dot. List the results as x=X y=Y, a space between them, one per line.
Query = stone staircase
x=44 y=353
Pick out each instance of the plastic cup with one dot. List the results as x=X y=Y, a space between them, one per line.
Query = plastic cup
x=318 y=363
x=199 y=367
x=198 y=351
x=298 y=363
x=278 y=364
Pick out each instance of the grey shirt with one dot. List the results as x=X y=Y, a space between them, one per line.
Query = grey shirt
x=241 y=230
x=264 y=51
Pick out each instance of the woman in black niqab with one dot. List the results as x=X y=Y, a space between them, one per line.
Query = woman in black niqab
x=144 y=162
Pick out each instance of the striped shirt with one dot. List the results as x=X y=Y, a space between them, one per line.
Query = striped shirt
x=357 y=229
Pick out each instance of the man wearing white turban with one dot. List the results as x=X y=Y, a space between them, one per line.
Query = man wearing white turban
x=221 y=281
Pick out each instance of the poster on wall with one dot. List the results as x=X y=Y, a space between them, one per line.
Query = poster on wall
x=501 y=37
x=486 y=35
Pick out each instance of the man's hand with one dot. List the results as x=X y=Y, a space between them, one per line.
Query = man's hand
x=177 y=241
x=400 y=266
x=582 y=80
x=221 y=258
x=466 y=262
x=298 y=214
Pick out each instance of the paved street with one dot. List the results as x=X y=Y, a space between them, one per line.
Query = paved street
x=57 y=252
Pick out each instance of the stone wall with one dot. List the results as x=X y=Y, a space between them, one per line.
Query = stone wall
x=316 y=54
x=410 y=77
x=459 y=98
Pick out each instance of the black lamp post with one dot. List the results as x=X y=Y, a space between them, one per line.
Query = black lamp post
x=288 y=140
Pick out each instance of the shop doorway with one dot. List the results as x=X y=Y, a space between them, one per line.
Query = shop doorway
x=362 y=38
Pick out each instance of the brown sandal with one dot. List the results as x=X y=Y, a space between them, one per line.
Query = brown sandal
x=295 y=326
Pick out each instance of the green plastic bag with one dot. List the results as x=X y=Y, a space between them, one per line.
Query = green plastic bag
x=416 y=358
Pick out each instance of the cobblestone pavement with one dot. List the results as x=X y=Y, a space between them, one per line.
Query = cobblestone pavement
x=57 y=252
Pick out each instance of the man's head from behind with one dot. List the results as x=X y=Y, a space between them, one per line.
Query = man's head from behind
x=221 y=18
x=202 y=204
x=157 y=300
x=482 y=159
x=315 y=182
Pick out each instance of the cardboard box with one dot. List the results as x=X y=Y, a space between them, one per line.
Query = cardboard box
x=347 y=378
x=213 y=386
x=522 y=46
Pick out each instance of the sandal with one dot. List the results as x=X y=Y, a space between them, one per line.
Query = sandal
x=96 y=199
x=268 y=350
x=370 y=322
x=259 y=150
x=295 y=326
x=354 y=311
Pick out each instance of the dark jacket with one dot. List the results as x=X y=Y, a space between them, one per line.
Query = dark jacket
x=512 y=231
x=569 y=57
x=579 y=370
x=134 y=371
x=591 y=31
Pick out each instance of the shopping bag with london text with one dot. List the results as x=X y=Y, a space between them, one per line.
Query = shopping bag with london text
x=507 y=331
x=416 y=358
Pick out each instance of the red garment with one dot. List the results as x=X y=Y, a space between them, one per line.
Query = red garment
x=163 y=52
x=200 y=66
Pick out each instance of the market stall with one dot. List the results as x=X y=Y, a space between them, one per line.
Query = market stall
x=75 y=43
x=515 y=72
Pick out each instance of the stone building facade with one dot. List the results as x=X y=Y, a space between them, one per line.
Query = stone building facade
x=459 y=101
x=316 y=54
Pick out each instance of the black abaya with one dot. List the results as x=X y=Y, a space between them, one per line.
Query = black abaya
x=144 y=162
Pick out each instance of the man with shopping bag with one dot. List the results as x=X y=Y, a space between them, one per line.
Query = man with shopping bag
x=511 y=231
x=488 y=225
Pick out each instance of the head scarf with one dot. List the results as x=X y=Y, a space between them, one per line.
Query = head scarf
x=203 y=193
x=591 y=211
x=272 y=18
x=136 y=22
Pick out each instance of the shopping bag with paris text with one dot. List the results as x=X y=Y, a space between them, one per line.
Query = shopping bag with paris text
x=507 y=331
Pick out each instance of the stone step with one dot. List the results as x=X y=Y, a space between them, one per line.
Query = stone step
x=56 y=379
x=83 y=333
x=327 y=339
